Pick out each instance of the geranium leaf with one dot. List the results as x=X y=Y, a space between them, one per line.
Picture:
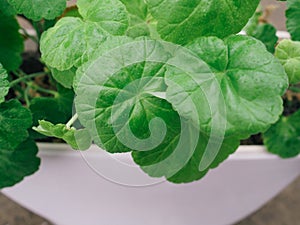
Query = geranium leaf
x=266 y=33
x=55 y=110
x=288 y=52
x=70 y=43
x=110 y=15
x=36 y=9
x=11 y=43
x=6 y=9
x=17 y=163
x=65 y=78
x=14 y=122
x=283 y=137
x=293 y=19
x=236 y=88
x=182 y=21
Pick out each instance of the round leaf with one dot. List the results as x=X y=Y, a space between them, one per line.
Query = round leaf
x=70 y=43
x=6 y=9
x=110 y=15
x=11 y=43
x=16 y=164
x=242 y=90
x=293 y=19
x=283 y=137
x=14 y=122
x=288 y=52
x=266 y=33
x=184 y=20
x=36 y=9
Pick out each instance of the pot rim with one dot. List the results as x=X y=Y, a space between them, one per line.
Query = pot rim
x=244 y=152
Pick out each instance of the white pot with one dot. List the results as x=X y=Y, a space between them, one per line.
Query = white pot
x=67 y=191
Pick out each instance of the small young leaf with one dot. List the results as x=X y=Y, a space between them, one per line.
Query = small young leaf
x=4 y=84
x=17 y=163
x=36 y=10
x=11 y=43
x=77 y=139
x=288 y=52
x=283 y=137
x=182 y=21
x=70 y=43
x=14 y=122
x=293 y=19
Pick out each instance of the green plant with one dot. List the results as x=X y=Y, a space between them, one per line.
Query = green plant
x=118 y=56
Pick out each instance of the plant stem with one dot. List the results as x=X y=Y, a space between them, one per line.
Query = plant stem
x=38 y=88
x=26 y=98
x=26 y=77
x=26 y=34
x=72 y=120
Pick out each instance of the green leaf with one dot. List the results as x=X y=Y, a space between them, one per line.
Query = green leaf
x=253 y=21
x=14 y=122
x=18 y=163
x=110 y=15
x=190 y=172
x=138 y=8
x=138 y=12
x=4 y=84
x=55 y=110
x=266 y=33
x=283 y=137
x=6 y=9
x=293 y=19
x=179 y=158
x=36 y=9
x=288 y=52
x=183 y=21
x=65 y=78
x=70 y=43
x=104 y=135
x=77 y=139
x=87 y=87
x=11 y=43
x=137 y=27
x=235 y=90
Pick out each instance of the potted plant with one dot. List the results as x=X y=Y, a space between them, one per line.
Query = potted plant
x=169 y=82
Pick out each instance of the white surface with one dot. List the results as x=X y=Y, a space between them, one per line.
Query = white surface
x=68 y=192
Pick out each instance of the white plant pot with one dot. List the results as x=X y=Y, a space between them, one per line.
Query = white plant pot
x=67 y=191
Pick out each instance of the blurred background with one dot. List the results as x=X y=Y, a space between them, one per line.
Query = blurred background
x=282 y=210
